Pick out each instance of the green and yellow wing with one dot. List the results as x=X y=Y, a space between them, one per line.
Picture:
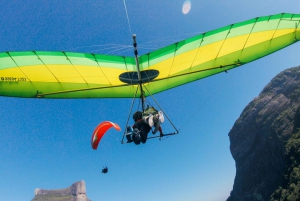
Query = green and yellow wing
x=79 y=75
x=220 y=50
x=63 y=75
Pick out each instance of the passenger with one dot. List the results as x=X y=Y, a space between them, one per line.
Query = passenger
x=143 y=122
x=154 y=118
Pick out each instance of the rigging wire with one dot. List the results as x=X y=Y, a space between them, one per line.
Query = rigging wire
x=112 y=45
x=115 y=47
x=209 y=98
x=161 y=109
x=216 y=91
x=172 y=38
x=130 y=111
x=127 y=17
x=120 y=50
x=104 y=49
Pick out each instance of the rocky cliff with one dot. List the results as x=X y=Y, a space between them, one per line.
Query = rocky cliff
x=260 y=138
x=76 y=192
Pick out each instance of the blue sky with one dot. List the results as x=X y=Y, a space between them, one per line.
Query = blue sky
x=46 y=143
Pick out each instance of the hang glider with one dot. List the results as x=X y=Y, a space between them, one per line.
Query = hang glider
x=39 y=74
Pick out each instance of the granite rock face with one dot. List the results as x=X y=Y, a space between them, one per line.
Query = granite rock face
x=259 y=136
x=76 y=192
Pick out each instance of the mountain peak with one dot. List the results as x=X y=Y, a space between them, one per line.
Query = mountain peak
x=259 y=137
x=76 y=192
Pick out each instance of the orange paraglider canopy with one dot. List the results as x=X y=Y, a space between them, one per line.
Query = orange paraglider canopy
x=100 y=131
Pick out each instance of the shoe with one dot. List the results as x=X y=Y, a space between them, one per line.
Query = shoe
x=150 y=120
x=161 y=117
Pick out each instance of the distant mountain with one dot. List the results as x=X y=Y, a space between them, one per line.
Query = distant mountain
x=265 y=143
x=76 y=192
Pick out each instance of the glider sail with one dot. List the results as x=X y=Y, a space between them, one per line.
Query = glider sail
x=100 y=131
x=38 y=74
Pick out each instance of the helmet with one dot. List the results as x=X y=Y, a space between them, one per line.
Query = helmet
x=137 y=115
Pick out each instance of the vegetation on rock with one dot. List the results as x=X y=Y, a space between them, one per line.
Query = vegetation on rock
x=289 y=189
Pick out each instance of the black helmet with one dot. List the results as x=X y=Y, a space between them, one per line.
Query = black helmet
x=137 y=115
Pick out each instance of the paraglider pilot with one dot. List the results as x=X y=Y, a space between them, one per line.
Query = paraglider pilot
x=105 y=170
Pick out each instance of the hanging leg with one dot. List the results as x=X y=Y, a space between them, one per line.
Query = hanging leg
x=129 y=132
x=144 y=132
x=136 y=136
